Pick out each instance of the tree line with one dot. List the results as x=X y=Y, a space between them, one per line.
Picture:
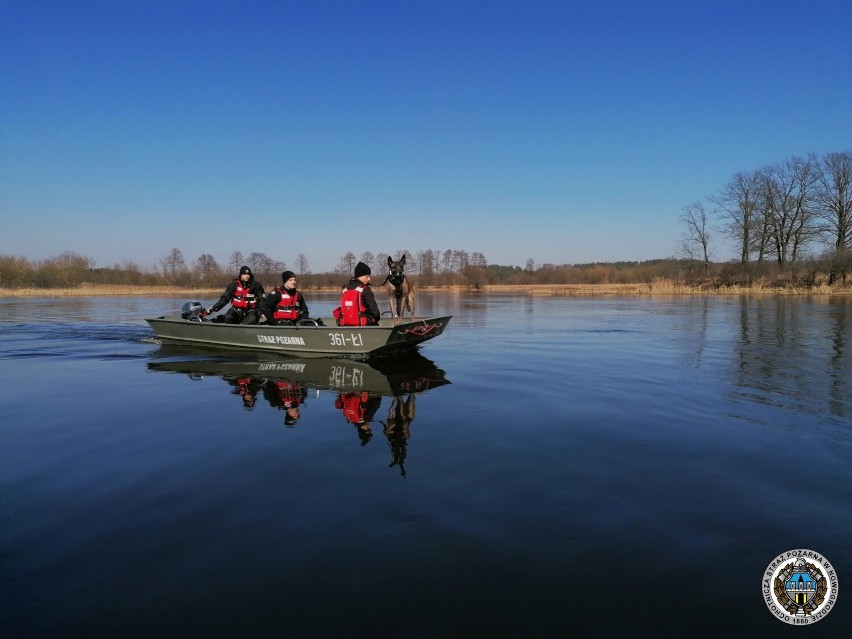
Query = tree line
x=71 y=269
x=791 y=223
x=796 y=213
x=427 y=268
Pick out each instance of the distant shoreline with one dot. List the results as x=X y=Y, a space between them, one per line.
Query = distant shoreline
x=544 y=290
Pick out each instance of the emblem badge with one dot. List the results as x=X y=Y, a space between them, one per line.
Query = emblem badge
x=800 y=587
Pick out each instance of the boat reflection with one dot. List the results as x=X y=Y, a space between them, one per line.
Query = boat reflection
x=359 y=388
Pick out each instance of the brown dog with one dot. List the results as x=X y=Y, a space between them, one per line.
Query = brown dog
x=400 y=291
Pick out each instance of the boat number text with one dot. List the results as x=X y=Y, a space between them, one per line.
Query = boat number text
x=346 y=339
x=344 y=377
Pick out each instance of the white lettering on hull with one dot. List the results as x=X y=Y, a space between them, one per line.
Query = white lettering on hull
x=345 y=339
x=281 y=339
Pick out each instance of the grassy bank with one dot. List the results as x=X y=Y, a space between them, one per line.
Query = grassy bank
x=660 y=287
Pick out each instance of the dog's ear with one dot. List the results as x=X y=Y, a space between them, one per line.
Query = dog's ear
x=402 y=260
x=390 y=260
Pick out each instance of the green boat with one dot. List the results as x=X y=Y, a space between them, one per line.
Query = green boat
x=314 y=337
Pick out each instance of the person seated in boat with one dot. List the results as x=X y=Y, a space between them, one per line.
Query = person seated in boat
x=245 y=294
x=357 y=303
x=285 y=305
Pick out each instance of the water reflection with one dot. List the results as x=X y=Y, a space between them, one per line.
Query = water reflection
x=247 y=388
x=359 y=409
x=359 y=389
x=286 y=396
x=783 y=357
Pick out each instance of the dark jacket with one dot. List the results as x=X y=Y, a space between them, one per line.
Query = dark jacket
x=275 y=296
x=367 y=299
x=231 y=289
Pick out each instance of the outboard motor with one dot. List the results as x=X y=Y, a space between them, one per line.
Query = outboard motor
x=191 y=311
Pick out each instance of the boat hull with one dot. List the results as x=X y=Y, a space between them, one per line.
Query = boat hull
x=388 y=337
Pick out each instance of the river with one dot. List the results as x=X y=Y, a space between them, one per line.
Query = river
x=547 y=467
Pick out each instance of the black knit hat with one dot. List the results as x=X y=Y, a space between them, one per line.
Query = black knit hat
x=286 y=275
x=362 y=269
x=244 y=270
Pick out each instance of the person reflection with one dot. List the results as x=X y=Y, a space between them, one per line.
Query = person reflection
x=359 y=409
x=397 y=430
x=285 y=396
x=247 y=388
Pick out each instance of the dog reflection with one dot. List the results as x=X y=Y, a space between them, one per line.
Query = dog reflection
x=398 y=429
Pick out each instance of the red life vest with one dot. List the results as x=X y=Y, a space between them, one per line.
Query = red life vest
x=289 y=394
x=352 y=310
x=288 y=306
x=244 y=298
x=354 y=406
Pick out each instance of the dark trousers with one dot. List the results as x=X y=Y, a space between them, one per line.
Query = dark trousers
x=282 y=322
x=239 y=316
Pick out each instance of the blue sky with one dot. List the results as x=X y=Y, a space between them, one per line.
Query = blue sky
x=565 y=132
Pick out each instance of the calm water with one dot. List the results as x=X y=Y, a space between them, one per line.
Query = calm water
x=587 y=467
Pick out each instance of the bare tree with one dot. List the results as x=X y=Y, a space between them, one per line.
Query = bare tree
x=460 y=260
x=428 y=261
x=260 y=262
x=277 y=267
x=207 y=267
x=447 y=261
x=368 y=259
x=382 y=263
x=302 y=264
x=413 y=263
x=738 y=204
x=788 y=192
x=173 y=265
x=530 y=266
x=235 y=261
x=401 y=252
x=696 y=235
x=833 y=196
x=346 y=266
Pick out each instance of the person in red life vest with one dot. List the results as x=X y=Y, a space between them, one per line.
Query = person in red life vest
x=359 y=409
x=245 y=294
x=285 y=305
x=357 y=303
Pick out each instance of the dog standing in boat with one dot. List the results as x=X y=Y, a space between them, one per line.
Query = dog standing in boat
x=399 y=289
